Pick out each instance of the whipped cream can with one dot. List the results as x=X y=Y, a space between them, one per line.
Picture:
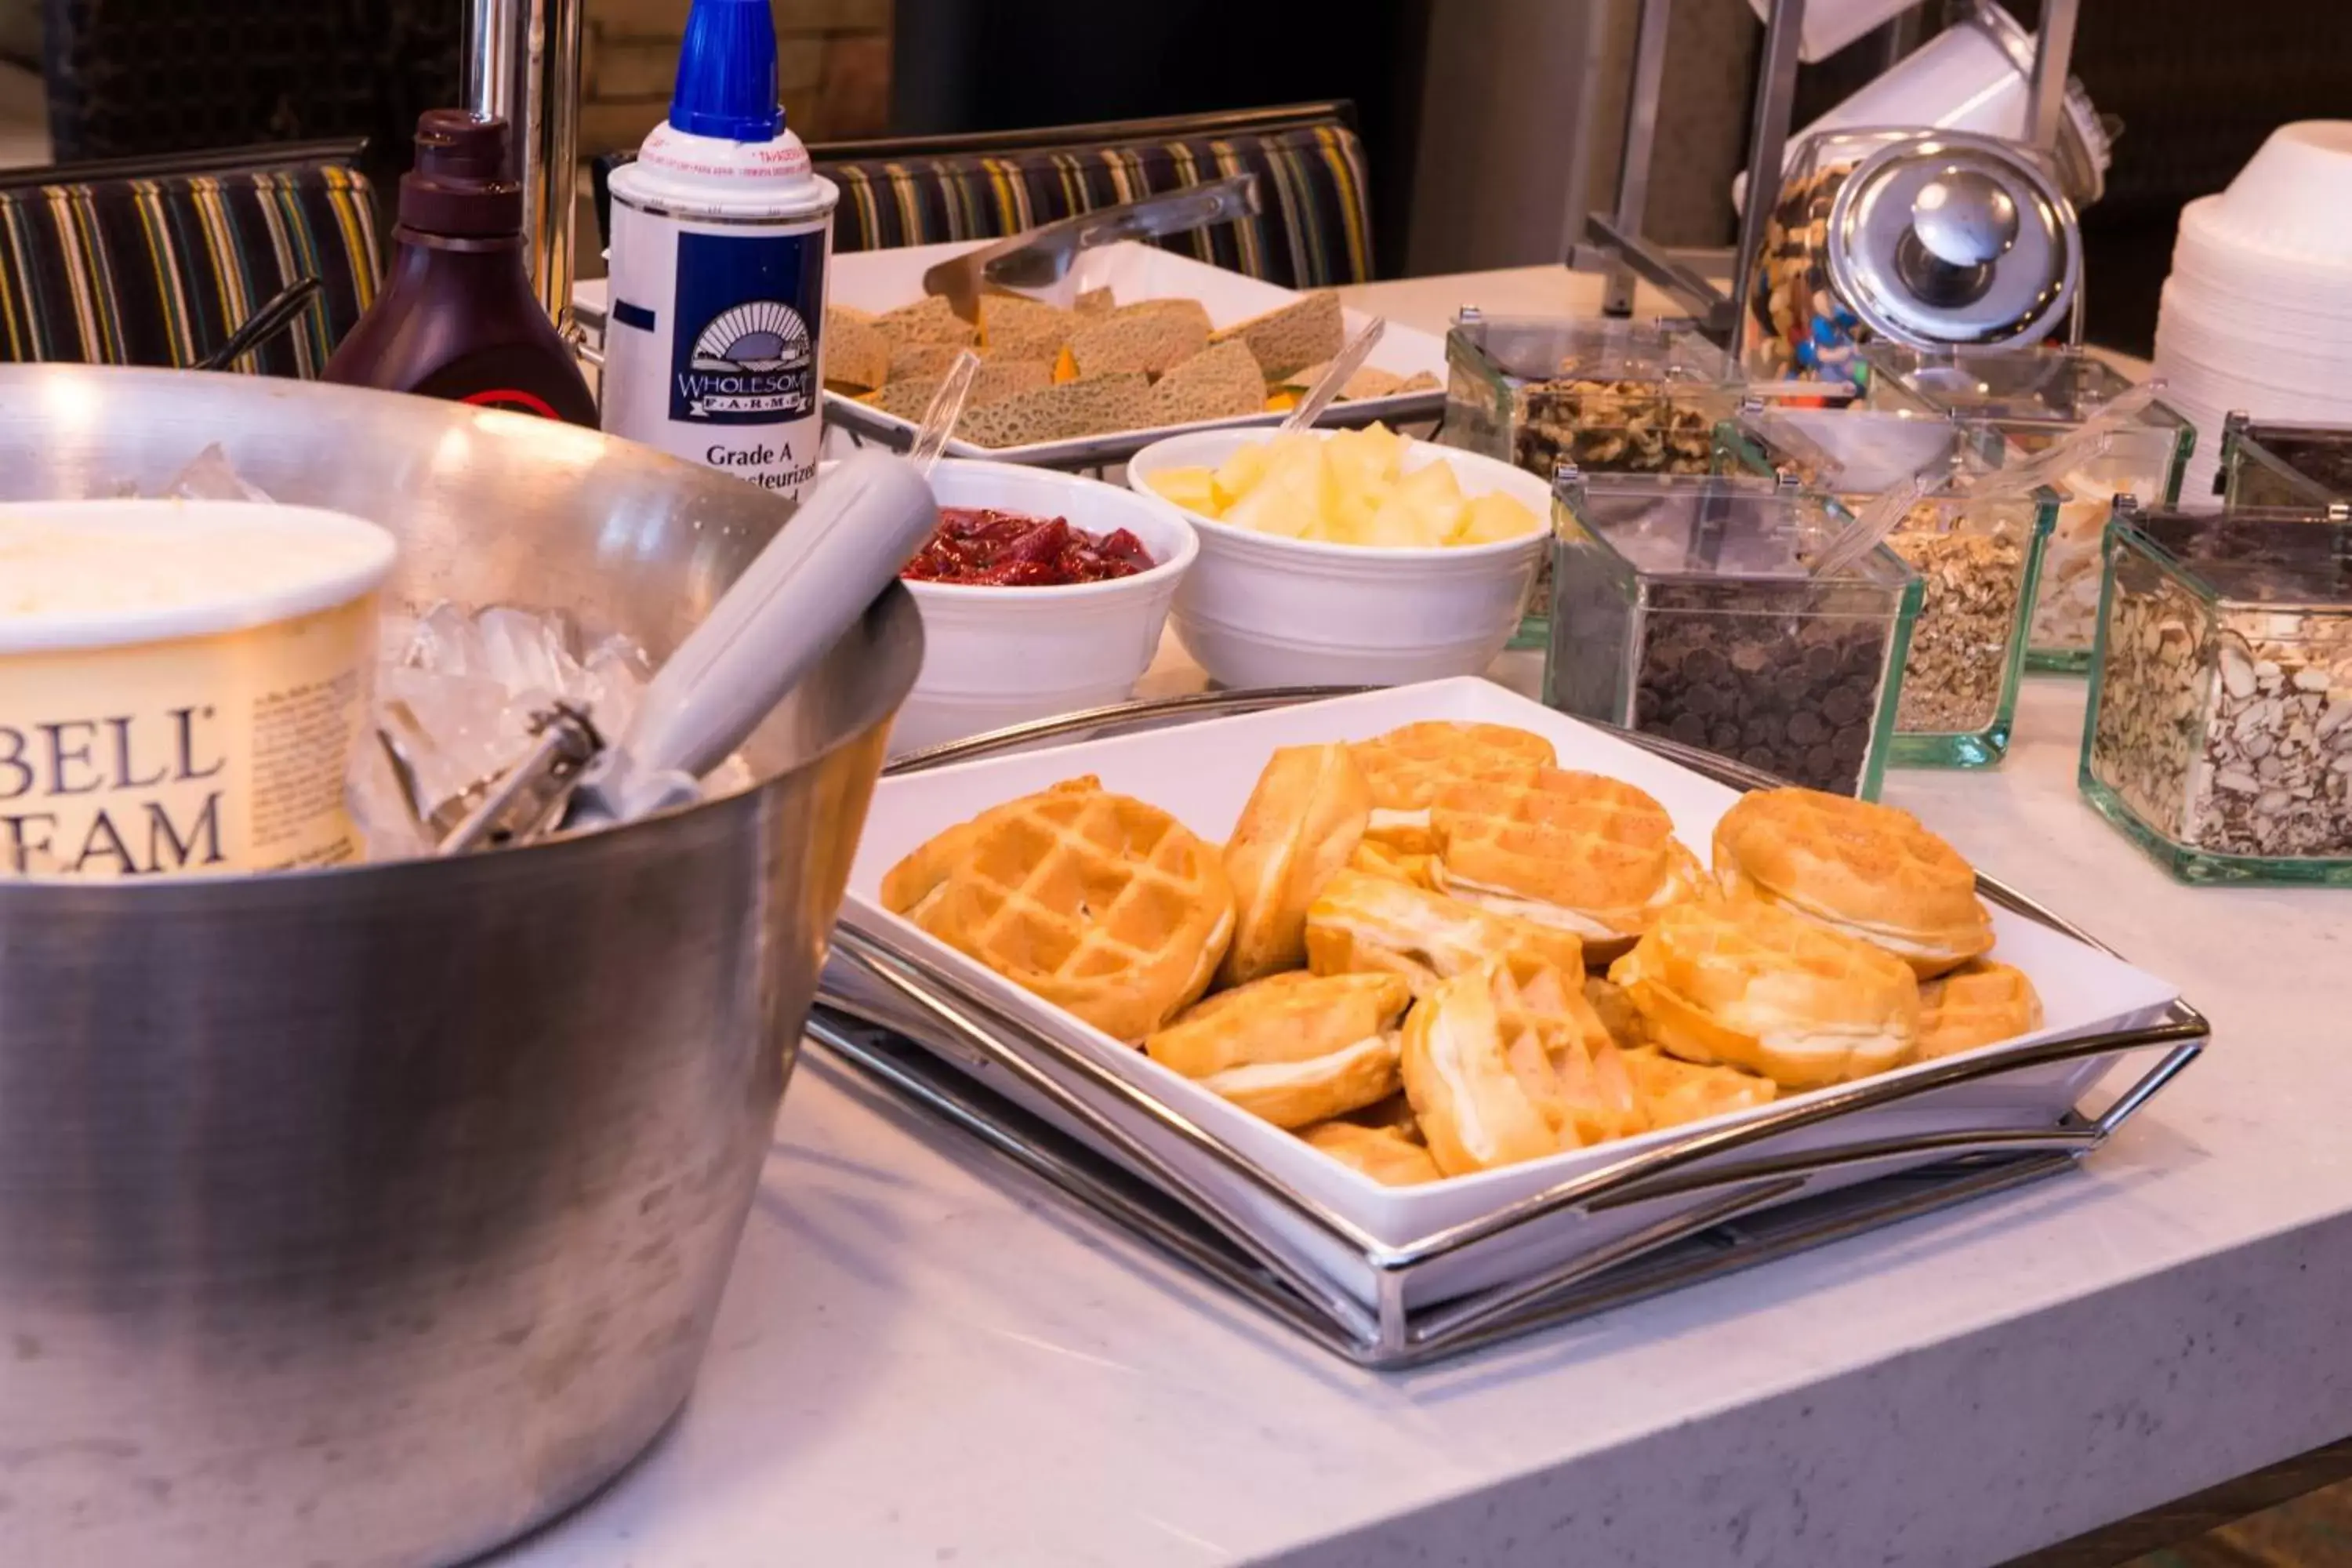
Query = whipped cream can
x=720 y=236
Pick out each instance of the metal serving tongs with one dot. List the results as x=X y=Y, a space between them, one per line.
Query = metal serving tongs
x=1042 y=257
x=844 y=547
x=1884 y=512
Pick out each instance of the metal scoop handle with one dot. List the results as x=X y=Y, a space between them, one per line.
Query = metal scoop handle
x=844 y=547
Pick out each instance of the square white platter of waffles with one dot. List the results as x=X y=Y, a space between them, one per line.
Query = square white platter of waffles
x=1203 y=773
x=880 y=280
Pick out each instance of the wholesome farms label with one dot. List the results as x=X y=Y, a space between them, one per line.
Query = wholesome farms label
x=749 y=307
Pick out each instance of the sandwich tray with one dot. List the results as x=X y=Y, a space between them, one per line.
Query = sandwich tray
x=1393 y=1277
x=880 y=280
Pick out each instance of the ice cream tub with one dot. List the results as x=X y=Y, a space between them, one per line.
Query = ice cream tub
x=180 y=685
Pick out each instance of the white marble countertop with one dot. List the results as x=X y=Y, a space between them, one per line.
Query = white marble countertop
x=922 y=1360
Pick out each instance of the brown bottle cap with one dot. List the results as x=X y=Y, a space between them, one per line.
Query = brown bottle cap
x=460 y=185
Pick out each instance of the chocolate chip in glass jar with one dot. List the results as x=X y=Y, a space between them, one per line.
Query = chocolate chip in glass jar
x=1795 y=696
x=1843 y=707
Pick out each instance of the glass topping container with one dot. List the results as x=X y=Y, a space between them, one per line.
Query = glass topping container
x=1682 y=607
x=2219 y=732
x=2266 y=465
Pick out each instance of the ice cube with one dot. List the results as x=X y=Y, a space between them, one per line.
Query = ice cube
x=210 y=476
x=445 y=642
x=457 y=692
x=394 y=630
x=529 y=653
x=456 y=732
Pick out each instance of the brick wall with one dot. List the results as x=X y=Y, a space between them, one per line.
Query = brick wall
x=833 y=59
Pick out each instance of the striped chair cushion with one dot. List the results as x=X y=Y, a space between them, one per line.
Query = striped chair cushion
x=1314 y=229
x=159 y=271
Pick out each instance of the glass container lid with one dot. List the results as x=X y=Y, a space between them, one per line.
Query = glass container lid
x=1538 y=348
x=1718 y=526
x=2283 y=557
x=2315 y=459
x=2052 y=384
x=1851 y=451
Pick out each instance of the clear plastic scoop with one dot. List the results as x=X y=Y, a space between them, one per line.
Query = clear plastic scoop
x=1334 y=379
x=947 y=406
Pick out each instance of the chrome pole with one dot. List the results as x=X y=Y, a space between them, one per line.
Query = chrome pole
x=1641 y=143
x=1768 y=140
x=2053 y=48
x=522 y=64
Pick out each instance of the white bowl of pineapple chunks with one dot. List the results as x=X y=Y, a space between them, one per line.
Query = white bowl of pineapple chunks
x=1346 y=557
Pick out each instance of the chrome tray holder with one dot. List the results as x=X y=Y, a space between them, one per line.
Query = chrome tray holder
x=1737 y=1213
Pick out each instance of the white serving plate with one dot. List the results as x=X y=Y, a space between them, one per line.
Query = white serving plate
x=880 y=280
x=1203 y=773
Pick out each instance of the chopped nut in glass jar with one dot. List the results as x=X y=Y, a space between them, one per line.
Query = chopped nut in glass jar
x=1970 y=586
x=2066 y=600
x=1613 y=427
x=2227 y=730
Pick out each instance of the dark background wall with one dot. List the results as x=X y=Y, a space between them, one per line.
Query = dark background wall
x=1054 y=62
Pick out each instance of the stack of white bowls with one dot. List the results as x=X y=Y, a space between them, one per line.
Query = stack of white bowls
x=2257 y=314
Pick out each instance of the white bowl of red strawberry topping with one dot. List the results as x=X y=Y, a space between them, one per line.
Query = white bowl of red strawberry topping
x=1041 y=594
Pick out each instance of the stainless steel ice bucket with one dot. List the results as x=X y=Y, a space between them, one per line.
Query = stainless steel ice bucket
x=370 y=1216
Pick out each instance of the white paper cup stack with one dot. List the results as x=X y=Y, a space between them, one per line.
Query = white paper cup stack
x=2257 y=314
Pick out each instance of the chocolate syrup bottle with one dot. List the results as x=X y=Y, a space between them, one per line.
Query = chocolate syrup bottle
x=458 y=317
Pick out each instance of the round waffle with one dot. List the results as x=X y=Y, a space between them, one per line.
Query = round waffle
x=1408 y=768
x=1362 y=923
x=1593 y=855
x=1303 y=822
x=912 y=886
x=1105 y=906
x=1978 y=1004
x=1750 y=985
x=1868 y=871
x=1384 y=1154
x=1508 y=1063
